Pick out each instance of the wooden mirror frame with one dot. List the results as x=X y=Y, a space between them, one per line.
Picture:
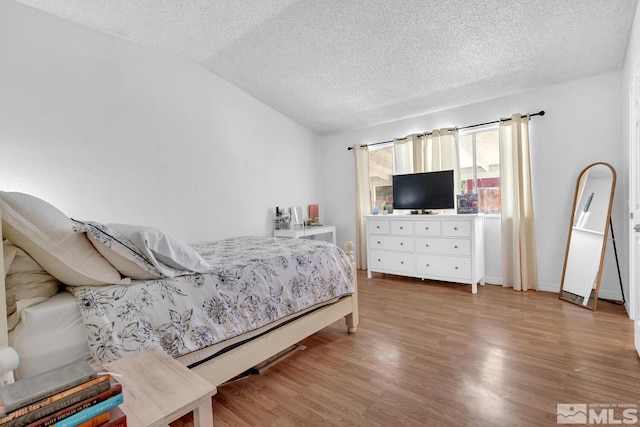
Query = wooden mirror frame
x=591 y=300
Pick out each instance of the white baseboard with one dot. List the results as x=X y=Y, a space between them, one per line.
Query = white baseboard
x=493 y=280
x=544 y=287
x=549 y=287
x=613 y=295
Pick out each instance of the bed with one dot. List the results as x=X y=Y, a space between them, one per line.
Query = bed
x=219 y=308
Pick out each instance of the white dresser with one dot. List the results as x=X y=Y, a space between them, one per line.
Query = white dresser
x=438 y=247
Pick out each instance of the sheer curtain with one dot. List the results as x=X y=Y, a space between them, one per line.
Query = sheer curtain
x=408 y=154
x=429 y=152
x=519 y=260
x=441 y=153
x=363 y=203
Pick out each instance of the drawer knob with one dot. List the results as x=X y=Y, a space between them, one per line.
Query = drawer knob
x=427 y=245
x=401 y=228
x=455 y=228
x=378 y=241
x=401 y=262
x=428 y=265
x=379 y=260
x=426 y=228
x=377 y=226
x=455 y=246
x=401 y=244
x=456 y=267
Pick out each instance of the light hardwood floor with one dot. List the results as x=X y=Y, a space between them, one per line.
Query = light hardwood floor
x=433 y=354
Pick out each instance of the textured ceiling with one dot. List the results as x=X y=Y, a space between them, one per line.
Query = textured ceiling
x=334 y=65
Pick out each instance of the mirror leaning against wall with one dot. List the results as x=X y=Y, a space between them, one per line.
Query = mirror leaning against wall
x=588 y=231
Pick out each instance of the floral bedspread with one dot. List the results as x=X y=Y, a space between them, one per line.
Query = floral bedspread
x=253 y=282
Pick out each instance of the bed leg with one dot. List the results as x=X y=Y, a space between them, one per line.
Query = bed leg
x=352 y=318
x=352 y=323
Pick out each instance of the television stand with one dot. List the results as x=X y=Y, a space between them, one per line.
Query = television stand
x=437 y=247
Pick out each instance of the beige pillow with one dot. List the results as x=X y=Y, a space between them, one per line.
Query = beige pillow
x=26 y=282
x=47 y=235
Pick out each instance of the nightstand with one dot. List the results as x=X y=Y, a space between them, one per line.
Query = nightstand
x=158 y=390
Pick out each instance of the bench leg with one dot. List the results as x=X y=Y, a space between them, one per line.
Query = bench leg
x=203 y=414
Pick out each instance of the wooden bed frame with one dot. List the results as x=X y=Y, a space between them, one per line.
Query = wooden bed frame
x=228 y=365
x=234 y=362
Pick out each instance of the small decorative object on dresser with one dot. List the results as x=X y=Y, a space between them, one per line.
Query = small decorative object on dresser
x=445 y=247
x=314 y=215
x=297 y=220
x=467 y=203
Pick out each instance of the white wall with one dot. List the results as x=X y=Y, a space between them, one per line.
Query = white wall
x=632 y=58
x=110 y=131
x=582 y=125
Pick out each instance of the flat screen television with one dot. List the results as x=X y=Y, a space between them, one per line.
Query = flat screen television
x=424 y=191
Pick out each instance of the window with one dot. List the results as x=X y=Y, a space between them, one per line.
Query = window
x=479 y=157
x=479 y=162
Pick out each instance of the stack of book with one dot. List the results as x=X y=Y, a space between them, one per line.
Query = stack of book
x=72 y=395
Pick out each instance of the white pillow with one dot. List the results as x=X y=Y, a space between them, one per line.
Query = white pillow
x=169 y=255
x=119 y=251
x=47 y=235
x=26 y=282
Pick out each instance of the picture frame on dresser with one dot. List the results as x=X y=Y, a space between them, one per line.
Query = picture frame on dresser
x=467 y=203
x=445 y=247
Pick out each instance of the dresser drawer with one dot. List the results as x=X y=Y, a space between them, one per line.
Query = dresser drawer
x=378 y=226
x=428 y=228
x=444 y=266
x=435 y=245
x=395 y=243
x=391 y=261
x=456 y=228
x=404 y=228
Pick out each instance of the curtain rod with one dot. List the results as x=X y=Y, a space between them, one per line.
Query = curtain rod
x=541 y=113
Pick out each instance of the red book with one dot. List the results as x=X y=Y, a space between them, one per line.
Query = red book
x=117 y=418
x=50 y=420
x=96 y=421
